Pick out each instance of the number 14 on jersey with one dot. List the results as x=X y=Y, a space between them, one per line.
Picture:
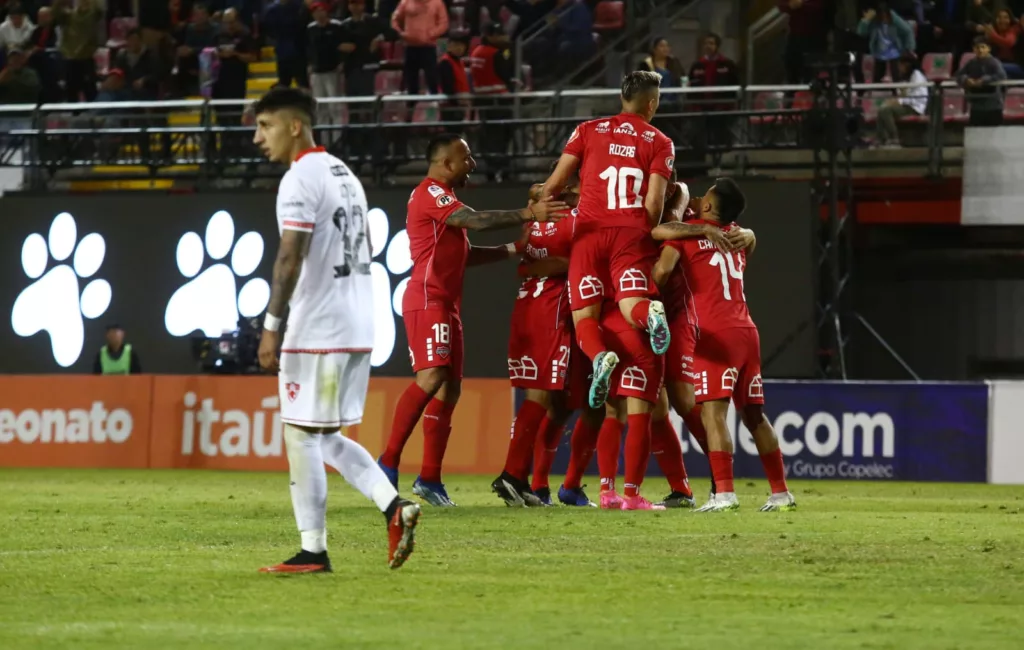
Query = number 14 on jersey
x=731 y=266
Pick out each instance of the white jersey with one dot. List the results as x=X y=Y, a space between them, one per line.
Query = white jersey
x=331 y=309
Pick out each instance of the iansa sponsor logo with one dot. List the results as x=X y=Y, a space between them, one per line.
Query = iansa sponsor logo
x=54 y=303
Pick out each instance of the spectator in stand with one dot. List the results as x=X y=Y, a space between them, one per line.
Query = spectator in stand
x=114 y=88
x=714 y=69
x=248 y=10
x=199 y=34
x=530 y=13
x=420 y=23
x=1002 y=39
x=140 y=67
x=660 y=60
x=889 y=37
x=977 y=76
x=80 y=28
x=323 y=43
x=808 y=36
x=454 y=80
x=41 y=46
x=361 y=36
x=492 y=74
x=286 y=22
x=911 y=102
x=979 y=14
x=155 y=22
x=16 y=30
x=236 y=50
x=574 y=34
x=941 y=28
x=19 y=84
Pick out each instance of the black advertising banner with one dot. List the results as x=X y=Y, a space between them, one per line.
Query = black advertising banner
x=166 y=265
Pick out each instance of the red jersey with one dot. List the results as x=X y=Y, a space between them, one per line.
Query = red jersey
x=548 y=295
x=438 y=251
x=619 y=154
x=675 y=293
x=716 y=283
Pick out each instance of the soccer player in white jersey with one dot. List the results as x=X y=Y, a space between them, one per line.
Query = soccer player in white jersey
x=322 y=274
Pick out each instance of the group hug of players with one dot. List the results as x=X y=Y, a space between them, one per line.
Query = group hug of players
x=625 y=279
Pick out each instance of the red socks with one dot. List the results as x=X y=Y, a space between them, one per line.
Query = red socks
x=775 y=470
x=524 y=433
x=669 y=453
x=721 y=470
x=437 y=426
x=544 y=451
x=588 y=335
x=609 y=439
x=407 y=413
x=638 y=452
x=639 y=313
x=581 y=450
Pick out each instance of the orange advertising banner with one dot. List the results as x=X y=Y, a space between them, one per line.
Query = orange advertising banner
x=215 y=422
x=58 y=421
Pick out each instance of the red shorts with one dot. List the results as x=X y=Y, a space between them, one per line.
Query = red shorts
x=640 y=372
x=728 y=365
x=538 y=355
x=679 y=358
x=435 y=338
x=611 y=263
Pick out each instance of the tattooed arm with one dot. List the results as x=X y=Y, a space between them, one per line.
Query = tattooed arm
x=294 y=245
x=489 y=254
x=543 y=210
x=677 y=230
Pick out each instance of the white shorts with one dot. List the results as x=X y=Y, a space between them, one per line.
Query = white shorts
x=323 y=390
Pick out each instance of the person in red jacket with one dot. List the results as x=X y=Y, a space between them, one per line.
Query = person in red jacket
x=492 y=73
x=420 y=23
x=454 y=81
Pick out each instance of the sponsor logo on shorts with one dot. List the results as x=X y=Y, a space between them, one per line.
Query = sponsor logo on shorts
x=445 y=199
x=292 y=390
x=648 y=136
x=756 y=388
x=524 y=369
x=443 y=351
x=633 y=280
x=626 y=129
x=435 y=190
x=591 y=287
x=729 y=378
x=633 y=378
x=700 y=383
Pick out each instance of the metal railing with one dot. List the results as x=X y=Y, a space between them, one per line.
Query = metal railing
x=712 y=127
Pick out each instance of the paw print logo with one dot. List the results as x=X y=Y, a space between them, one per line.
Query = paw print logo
x=210 y=300
x=384 y=321
x=53 y=303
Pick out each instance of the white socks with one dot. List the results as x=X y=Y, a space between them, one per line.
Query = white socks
x=308 y=487
x=357 y=466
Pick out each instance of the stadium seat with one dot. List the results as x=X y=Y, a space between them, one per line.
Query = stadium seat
x=1013 y=108
x=938 y=66
x=872 y=102
x=388 y=82
x=954 y=106
x=767 y=101
x=426 y=112
x=867 y=67
x=118 y=31
x=803 y=100
x=964 y=58
x=609 y=16
x=396 y=55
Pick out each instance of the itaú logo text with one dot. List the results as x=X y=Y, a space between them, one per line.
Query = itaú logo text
x=207 y=431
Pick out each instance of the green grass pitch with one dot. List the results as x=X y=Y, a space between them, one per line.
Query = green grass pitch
x=168 y=559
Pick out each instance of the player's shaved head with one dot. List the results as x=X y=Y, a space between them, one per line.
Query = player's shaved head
x=439 y=145
x=294 y=100
x=729 y=200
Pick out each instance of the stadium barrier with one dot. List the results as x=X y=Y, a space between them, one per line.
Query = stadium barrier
x=828 y=430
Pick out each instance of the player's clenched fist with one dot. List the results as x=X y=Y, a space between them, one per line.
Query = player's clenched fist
x=269 y=342
x=549 y=209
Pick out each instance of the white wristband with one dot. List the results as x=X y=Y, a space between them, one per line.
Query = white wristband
x=511 y=248
x=271 y=323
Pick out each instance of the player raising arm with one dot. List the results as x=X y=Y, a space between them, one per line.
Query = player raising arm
x=624 y=165
x=322 y=274
x=727 y=359
x=437 y=223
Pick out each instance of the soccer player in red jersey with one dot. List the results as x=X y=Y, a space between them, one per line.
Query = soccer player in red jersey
x=437 y=223
x=727 y=358
x=624 y=165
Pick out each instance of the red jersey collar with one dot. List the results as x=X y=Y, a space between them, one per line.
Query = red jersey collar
x=308 y=151
x=442 y=184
